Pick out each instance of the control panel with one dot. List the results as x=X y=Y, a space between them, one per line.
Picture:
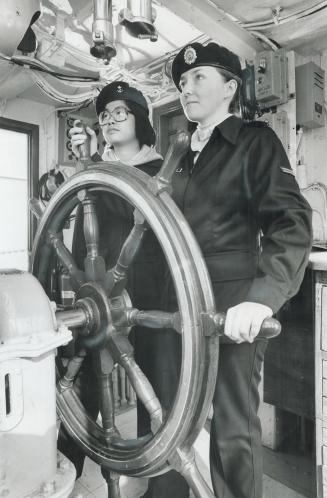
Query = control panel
x=65 y=123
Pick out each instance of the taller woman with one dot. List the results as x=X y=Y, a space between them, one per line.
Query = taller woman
x=237 y=191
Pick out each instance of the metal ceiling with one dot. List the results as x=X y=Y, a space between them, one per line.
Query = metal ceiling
x=64 y=34
x=294 y=24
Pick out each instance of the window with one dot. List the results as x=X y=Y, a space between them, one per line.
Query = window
x=19 y=168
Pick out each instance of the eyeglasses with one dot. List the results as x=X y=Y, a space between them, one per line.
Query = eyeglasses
x=119 y=114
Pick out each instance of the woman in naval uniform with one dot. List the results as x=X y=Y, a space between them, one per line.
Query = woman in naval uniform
x=130 y=139
x=238 y=193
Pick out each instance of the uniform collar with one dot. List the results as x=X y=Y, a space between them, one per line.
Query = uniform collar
x=202 y=134
x=145 y=155
x=205 y=130
x=230 y=128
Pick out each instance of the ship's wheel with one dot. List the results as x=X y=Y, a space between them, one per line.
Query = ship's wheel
x=102 y=315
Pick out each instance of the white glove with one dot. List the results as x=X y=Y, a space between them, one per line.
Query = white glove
x=243 y=322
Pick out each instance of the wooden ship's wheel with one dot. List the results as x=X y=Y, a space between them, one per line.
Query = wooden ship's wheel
x=102 y=314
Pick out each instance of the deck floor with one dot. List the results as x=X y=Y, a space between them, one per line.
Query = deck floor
x=92 y=485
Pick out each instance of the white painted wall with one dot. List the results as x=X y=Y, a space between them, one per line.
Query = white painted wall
x=42 y=115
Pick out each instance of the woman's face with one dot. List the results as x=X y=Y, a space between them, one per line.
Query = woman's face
x=204 y=92
x=118 y=132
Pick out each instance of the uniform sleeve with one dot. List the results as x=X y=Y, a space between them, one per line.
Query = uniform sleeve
x=284 y=217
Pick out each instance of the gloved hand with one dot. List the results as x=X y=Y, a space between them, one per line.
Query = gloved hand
x=78 y=137
x=243 y=321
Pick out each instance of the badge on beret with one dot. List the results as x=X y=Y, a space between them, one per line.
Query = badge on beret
x=190 y=55
x=119 y=89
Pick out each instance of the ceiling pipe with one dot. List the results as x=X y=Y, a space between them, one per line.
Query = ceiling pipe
x=138 y=19
x=103 y=31
x=214 y=23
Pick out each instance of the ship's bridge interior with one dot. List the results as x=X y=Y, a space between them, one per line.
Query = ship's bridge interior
x=60 y=312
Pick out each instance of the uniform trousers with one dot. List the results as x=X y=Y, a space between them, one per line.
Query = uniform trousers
x=235 y=438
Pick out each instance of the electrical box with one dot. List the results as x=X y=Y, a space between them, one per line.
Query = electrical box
x=278 y=121
x=66 y=122
x=310 y=84
x=271 y=85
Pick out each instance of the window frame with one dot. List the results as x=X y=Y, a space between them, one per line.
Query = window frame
x=32 y=131
x=161 y=116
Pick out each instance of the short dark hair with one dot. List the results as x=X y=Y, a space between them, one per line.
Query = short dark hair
x=235 y=103
x=144 y=131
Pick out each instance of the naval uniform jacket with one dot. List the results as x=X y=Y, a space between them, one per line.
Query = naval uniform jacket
x=244 y=206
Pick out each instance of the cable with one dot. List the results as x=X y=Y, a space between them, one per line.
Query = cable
x=300 y=136
x=37 y=65
x=5 y=57
x=275 y=46
x=52 y=92
x=40 y=66
x=292 y=17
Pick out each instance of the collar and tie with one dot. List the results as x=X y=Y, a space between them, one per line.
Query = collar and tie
x=200 y=138
x=202 y=135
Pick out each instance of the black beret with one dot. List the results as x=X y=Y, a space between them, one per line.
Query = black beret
x=119 y=90
x=196 y=54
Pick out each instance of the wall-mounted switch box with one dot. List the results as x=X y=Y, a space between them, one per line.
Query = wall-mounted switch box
x=271 y=86
x=310 y=85
x=278 y=121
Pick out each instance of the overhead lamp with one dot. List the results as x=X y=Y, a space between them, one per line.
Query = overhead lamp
x=103 y=31
x=138 y=19
x=15 y=25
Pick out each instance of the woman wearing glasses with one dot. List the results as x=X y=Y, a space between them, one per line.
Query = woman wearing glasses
x=123 y=116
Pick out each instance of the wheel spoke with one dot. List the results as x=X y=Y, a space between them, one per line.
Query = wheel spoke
x=144 y=390
x=107 y=403
x=112 y=480
x=65 y=257
x=116 y=277
x=183 y=460
x=55 y=226
x=94 y=263
x=154 y=319
x=103 y=366
x=73 y=367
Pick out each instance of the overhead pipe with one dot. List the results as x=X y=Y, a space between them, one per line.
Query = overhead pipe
x=103 y=31
x=138 y=19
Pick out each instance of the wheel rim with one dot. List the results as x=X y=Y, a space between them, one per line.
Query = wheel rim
x=196 y=306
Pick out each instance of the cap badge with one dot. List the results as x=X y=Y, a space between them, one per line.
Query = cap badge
x=120 y=89
x=190 y=55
